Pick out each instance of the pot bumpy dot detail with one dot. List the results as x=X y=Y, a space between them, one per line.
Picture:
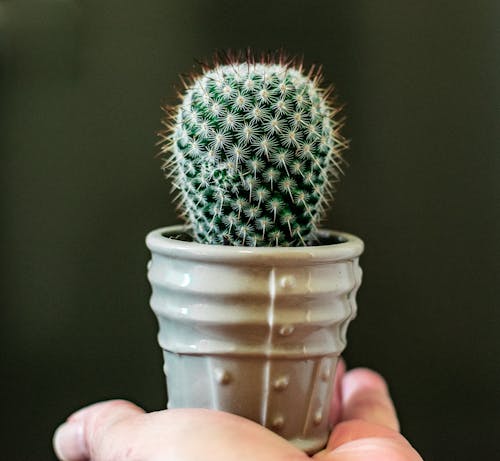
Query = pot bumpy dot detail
x=286 y=330
x=222 y=376
x=318 y=416
x=278 y=422
x=325 y=374
x=254 y=150
x=281 y=383
x=288 y=281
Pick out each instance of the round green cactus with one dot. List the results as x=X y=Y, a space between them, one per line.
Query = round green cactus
x=254 y=149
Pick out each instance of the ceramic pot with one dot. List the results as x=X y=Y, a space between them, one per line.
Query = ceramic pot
x=255 y=331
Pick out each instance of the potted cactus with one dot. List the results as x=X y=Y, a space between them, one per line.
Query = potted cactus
x=252 y=298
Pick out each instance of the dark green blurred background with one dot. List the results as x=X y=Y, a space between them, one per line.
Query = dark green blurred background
x=80 y=94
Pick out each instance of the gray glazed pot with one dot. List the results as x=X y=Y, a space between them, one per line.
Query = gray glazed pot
x=255 y=331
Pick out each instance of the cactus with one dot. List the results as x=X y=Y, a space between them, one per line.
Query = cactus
x=254 y=150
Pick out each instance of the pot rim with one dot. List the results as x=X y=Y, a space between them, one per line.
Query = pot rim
x=350 y=247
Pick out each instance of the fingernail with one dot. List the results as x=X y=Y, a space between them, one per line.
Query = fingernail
x=68 y=441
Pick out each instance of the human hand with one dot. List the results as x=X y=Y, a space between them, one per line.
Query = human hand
x=366 y=428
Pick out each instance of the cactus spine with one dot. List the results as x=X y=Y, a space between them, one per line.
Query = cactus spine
x=254 y=149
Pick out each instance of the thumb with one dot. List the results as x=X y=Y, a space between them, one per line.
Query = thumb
x=86 y=428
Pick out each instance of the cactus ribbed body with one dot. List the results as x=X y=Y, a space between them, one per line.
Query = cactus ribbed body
x=255 y=149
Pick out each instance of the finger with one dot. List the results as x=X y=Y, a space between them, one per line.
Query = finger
x=74 y=438
x=336 y=404
x=394 y=448
x=366 y=396
x=356 y=429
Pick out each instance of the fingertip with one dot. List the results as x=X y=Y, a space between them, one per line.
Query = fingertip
x=363 y=378
x=365 y=396
x=68 y=442
x=74 y=439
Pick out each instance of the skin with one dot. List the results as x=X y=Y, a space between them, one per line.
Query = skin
x=366 y=429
